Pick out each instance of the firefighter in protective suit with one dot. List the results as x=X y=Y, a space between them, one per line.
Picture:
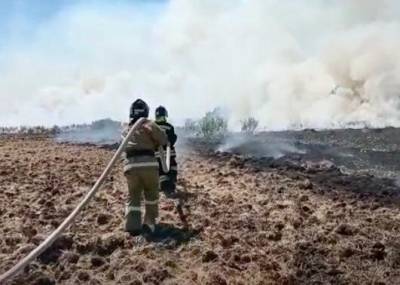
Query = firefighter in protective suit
x=167 y=180
x=141 y=170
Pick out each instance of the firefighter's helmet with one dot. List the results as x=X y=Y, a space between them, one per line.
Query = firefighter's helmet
x=161 y=112
x=139 y=109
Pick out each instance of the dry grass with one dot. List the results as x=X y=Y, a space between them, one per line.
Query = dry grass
x=254 y=224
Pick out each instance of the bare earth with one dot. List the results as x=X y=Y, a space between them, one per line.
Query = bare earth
x=249 y=221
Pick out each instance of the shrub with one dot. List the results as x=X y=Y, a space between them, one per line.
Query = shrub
x=105 y=123
x=212 y=126
x=55 y=130
x=249 y=125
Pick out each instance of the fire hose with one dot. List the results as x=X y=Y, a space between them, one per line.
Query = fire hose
x=165 y=157
x=52 y=238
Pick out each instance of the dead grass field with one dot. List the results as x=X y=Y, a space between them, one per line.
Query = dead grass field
x=250 y=222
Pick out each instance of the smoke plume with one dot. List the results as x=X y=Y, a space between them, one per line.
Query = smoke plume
x=319 y=63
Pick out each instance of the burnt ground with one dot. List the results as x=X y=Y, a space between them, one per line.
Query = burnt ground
x=292 y=219
x=368 y=151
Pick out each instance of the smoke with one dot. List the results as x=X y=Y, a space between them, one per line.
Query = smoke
x=319 y=63
x=269 y=146
x=101 y=132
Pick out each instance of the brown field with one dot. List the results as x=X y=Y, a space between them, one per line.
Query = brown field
x=249 y=221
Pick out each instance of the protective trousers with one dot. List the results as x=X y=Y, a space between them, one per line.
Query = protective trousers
x=142 y=181
x=168 y=180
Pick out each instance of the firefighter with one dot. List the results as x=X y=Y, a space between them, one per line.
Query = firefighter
x=167 y=180
x=141 y=170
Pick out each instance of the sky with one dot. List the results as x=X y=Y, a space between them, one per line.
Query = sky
x=20 y=18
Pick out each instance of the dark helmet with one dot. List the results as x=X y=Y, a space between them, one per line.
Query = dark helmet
x=139 y=109
x=161 y=111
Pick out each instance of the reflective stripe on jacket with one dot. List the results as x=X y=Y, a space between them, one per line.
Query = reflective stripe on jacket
x=141 y=146
x=172 y=153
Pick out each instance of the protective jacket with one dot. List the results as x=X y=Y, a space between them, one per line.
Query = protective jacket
x=168 y=180
x=172 y=137
x=140 y=151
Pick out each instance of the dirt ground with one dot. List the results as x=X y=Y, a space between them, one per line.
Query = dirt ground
x=249 y=221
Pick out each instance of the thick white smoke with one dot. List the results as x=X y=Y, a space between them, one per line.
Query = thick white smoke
x=318 y=63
